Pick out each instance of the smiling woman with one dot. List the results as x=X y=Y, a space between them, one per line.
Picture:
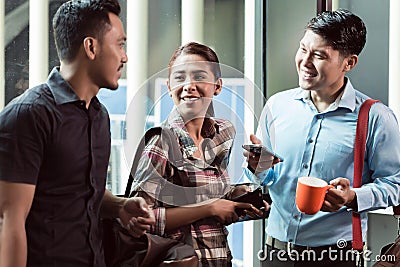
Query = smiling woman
x=194 y=78
x=206 y=143
x=192 y=85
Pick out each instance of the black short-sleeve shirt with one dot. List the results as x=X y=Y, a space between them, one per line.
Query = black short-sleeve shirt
x=49 y=138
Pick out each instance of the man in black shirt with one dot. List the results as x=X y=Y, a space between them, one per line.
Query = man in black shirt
x=55 y=147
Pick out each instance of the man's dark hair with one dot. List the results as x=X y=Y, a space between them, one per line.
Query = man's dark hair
x=77 y=19
x=343 y=30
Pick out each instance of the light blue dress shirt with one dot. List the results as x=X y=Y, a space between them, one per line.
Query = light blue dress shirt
x=321 y=145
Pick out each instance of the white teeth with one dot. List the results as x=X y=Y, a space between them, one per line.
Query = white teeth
x=190 y=98
x=308 y=75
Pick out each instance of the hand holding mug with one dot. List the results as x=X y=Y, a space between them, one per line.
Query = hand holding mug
x=341 y=195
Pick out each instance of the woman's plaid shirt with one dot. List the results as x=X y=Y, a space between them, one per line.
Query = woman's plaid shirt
x=207 y=175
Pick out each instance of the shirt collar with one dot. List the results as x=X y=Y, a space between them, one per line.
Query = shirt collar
x=60 y=89
x=345 y=100
x=63 y=92
x=209 y=129
x=348 y=99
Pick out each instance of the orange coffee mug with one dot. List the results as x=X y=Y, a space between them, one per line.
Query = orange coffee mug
x=310 y=194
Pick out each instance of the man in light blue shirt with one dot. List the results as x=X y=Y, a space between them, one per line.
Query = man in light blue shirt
x=313 y=127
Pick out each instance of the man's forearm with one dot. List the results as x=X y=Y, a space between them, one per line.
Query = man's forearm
x=110 y=205
x=13 y=247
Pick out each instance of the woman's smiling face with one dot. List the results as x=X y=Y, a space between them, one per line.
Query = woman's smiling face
x=192 y=85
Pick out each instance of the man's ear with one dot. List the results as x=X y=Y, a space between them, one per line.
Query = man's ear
x=351 y=62
x=90 y=46
x=218 y=86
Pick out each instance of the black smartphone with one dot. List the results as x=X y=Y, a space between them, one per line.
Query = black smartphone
x=260 y=149
x=253 y=197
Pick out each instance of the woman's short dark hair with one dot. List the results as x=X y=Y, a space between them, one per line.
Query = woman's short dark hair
x=77 y=19
x=343 y=30
x=194 y=48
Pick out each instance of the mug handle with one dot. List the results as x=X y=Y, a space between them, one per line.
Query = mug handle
x=329 y=186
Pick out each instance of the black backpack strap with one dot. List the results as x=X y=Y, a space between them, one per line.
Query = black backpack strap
x=174 y=154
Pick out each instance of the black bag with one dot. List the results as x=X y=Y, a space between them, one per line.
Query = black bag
x=123 y=250
x=390 y=254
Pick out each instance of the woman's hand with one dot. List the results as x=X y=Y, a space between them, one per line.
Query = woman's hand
x=226 y=211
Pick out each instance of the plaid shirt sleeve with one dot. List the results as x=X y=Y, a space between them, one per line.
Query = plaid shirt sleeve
x=149 y=180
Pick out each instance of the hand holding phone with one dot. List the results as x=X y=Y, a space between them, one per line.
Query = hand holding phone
x=261 y=150
x=253 y=197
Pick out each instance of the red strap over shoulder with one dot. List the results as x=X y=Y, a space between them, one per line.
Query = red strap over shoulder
x=359 y=151
x=396 y=210
x=361 y=137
